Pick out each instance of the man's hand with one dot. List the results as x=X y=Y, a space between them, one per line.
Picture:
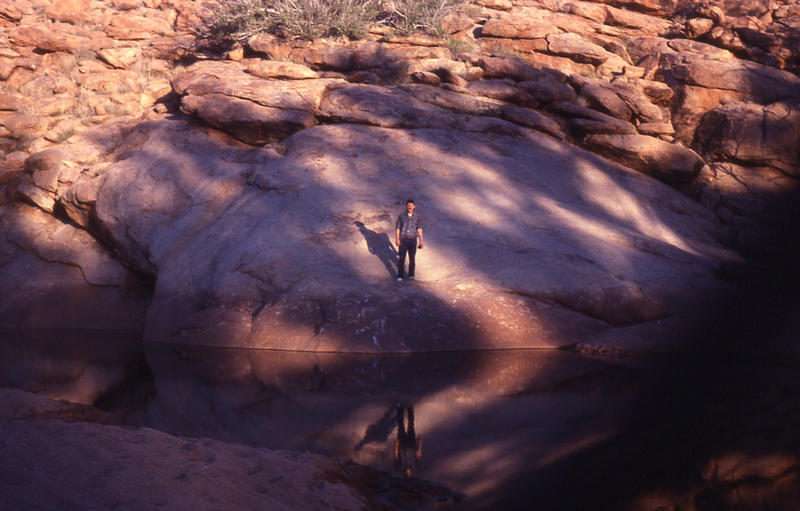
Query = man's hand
x=421 y=244
x=397 y=241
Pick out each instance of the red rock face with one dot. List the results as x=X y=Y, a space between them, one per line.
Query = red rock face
x=585 y=171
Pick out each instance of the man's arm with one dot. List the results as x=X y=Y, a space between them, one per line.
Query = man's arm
x=421 y=241
x=397 y=236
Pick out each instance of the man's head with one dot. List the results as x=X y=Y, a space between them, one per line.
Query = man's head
x=410 y=206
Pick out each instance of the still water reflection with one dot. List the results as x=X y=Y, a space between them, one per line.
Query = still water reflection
x=484 y=415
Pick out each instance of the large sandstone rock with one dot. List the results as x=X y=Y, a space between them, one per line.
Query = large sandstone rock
x=48 y=37
x=753 y=134
x=246 y=120
x=71 y=314
x=253 y=247
x=138 y=468
x=765 y=83
x=669 y=162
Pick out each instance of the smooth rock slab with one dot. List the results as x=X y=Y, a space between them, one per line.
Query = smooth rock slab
x=530 y=242
x=653 y=156
x=245 y=120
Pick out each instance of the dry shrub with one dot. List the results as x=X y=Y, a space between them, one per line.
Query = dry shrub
x=312 y=19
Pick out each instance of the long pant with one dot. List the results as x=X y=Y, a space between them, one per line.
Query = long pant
x=407 y=245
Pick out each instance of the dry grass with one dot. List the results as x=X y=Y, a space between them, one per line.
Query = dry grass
x=312 y=19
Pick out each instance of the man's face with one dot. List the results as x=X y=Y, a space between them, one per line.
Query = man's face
x=410 y=208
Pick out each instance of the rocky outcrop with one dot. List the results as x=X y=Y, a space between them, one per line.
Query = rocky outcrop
x=122 y=461
x=628 y=84
x=222 y=223
x=587 y=172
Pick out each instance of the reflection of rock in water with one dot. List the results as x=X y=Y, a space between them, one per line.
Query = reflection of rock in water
x=81 y=365
x=481 y=412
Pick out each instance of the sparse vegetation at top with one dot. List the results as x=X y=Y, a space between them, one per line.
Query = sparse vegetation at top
x=312 y=19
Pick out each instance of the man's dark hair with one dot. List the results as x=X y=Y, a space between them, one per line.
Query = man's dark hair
x=410 y=201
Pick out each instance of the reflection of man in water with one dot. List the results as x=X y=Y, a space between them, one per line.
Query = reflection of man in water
x=408 y=446
x=407 y=229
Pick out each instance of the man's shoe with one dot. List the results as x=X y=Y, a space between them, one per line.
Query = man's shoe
x=410 y=277
x=399 y=279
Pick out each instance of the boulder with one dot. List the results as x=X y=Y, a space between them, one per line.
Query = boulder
x=69 y=11
x=748 y=192
x=129 y=27
x=6 y=68
x=645 y=24
x=120 y=58
x=230 y=79
x=246 y=120
x=602 y=98
x=588 y=120
x=669 y=162
x=505 y=90
x=379 y=106
x=516 y=26
x=280 y=70
x=578 y=48
x=48 y=37
x=766 y=84
x=753 y=135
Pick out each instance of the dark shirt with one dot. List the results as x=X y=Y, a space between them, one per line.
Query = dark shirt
x=408 y=225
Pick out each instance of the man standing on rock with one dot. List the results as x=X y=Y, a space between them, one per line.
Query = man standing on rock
x=407 y=229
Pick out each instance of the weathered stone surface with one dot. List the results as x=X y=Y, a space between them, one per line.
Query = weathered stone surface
x=246 y=120
x=378 y=106
x=648 y=6
x=229 y=78
x=646 y=24
x=694 y=102
x=514 y=26
x=186 y=218
x=433 y=65
x=69 y=11
x=546 y=88
x=48 y=37
x=61 y=277
x=500 y=5
x=425 y=77
x=578 y=48
x=741 y=190
x=81 y=445
x=24 y=125
x=14 y=11
x=9 y=102
x=129 y=27
x=534 y=120
x=588 y=120
x=501 y=45
x=753 y=134
x=655 y=157
x=697 y=27
x=505 y=90
x=603 y=99
x=758 y=81
x=276 y=69
x=120 y=58
x=6 y=68
x=16 y=159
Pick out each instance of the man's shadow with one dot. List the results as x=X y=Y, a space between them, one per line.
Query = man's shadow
x=381 y=246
